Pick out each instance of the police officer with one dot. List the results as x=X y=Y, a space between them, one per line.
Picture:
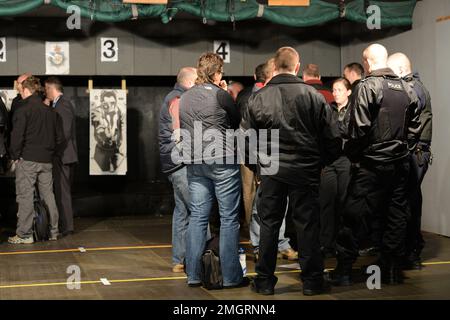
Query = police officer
x=419 y=160
x=382 y=120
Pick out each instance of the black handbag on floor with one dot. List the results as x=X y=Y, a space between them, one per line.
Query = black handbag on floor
x=211 y=271
x=41 y=221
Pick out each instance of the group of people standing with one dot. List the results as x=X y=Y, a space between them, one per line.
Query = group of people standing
x=40 y=142
x=350 y=165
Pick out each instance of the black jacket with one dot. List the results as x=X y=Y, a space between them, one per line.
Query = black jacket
x=244 y=95
x=426 y=114
x=37 y=134
x=15 y=105
x=66 y=114
x=166 y=141
x=340 y=118
x=307 y=135
x=4 y=128
x=210 y=109
x=383 y=118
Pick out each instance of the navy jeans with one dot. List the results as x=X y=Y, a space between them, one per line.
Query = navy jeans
x=180 y=220
x=205 y=181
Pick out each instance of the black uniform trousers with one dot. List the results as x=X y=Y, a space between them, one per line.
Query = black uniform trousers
x=380 y=190
x=333 y=190
x=419 y=162
x=62 y=181
x=304 y=202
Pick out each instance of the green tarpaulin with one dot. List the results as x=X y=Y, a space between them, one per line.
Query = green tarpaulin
x=319 y=12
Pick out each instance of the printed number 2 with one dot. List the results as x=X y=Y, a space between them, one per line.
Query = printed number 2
x=222 y=50
x=109 y=52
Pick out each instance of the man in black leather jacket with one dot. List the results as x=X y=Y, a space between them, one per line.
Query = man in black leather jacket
x=419 y=160
x=383 y=119
x=302 y=118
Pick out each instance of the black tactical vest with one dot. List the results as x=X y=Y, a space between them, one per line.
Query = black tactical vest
x=392 y=119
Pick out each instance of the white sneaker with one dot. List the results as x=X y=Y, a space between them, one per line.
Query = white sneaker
x=18 y=240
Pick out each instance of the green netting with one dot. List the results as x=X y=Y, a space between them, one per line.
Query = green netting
x=319 y=12
x=110 y=11
x=392 y=13
x=10 y=8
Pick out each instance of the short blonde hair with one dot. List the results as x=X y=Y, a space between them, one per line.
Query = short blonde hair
x=286 y=58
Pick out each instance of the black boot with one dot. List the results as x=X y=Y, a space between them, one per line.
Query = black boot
x=341 y=276
x=412 y=262
x=313 y=288
x=391 y=271
x=264 y=286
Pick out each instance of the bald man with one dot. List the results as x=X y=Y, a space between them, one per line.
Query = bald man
x=419 y=161
x=169 y=126
x=302 y=118
x=382 y=121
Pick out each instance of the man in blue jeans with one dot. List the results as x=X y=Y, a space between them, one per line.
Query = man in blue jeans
x=169 y=126
x=284 y=248
x=206 y=112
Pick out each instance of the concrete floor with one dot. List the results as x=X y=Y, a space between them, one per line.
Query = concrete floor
x=133 y=253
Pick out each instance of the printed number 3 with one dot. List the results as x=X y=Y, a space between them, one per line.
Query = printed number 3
x=111 y=49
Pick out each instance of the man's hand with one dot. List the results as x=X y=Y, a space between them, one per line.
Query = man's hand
x=223 y=85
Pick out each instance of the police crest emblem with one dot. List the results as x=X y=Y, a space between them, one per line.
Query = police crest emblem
x=57 y=54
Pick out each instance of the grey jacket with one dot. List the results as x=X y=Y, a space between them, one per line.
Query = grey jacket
x=211 y=110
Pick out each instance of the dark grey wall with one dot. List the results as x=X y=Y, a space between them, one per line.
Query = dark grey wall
x=148 y=47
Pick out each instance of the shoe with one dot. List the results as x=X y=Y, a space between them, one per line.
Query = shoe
x=341 y=276
x=412 y=262
x=392 y=275
x=289 y=254
x=244 y=283
x=18 y=240
x=266 y=289
x=53 y=238
x=314 y=289
x=195 y=285
x=369 y=252
x=66 y=233
x=178 y=268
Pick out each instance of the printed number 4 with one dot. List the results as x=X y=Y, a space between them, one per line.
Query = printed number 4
x=222 y=50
